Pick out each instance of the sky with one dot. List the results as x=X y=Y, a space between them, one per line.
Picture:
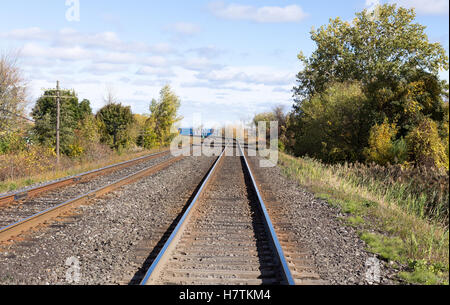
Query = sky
x=226 y=60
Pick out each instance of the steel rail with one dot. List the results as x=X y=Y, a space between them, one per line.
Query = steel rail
x=19 y=227
x=177 y=232
x=286 y=272
x=32 y=192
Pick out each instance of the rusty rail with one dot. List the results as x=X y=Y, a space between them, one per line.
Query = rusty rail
x=33 y=192
x=24 y=225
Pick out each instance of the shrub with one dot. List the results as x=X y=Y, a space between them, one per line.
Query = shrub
x=425 y=146
x=381 y=143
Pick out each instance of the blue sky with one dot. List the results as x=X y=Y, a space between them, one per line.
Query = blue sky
x=227 y=60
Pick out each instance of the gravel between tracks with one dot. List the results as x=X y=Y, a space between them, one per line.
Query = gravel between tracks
x=29 y=207
x=338 y=253
x=107 y=232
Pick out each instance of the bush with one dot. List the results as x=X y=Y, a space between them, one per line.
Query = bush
x=425 y=146
x=11 y=142
x=33 y=160
x=333 y=126
x=383 y=148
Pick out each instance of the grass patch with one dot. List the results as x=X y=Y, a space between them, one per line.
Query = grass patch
x=422 y=272
x=388 y=248
x=355 y=221
x=410 y=233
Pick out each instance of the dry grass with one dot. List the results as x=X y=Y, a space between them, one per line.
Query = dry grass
x=38 y=165
x=389 y=227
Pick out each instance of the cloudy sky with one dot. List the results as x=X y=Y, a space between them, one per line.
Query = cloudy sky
x=227 y=60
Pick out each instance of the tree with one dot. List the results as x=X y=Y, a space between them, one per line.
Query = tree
x=115 y=122
x=383 y=148
x=377 y=49
x=72 y=112
x=396 y=66
x=12 y=92
x=332 y=125
x=389 y=54
x=276 y=115
x=13 y=128
x=163 y=116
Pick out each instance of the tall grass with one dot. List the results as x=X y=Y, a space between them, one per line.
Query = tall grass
x=422 y=191
x=37 y=164
x=402 y=214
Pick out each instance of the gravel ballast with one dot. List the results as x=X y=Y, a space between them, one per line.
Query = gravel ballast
x=112 y=236
x=104 y=235
x=339 y=255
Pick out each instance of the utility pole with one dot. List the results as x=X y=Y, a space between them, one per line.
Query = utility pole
x=58 y=116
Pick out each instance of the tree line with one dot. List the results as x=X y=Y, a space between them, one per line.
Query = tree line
x=81 y=130
x=370 y=92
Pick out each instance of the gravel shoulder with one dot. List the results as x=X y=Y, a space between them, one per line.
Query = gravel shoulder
x=102 y=238
x=339 y=255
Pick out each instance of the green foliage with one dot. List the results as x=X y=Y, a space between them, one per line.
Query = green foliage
x=150 y=138
x=388 y=248
x=425 y=145
x=444 y=130
x=264 y=117
x=383 y=148
x=425 y=274
x=378 y=48
x=397 y=69
x=114 y=122
x=12 y=141
x=333 y=125
x=157 y=131
x=72 y=113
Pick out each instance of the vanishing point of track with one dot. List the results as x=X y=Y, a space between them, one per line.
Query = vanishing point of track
x=225 y=236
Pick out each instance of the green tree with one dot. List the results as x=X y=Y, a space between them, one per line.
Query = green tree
x=394 y=62
x=276 y=115
x=163 y=115
x=115 y=121
x=332 y=125
x=44 y=114
x=379 y=49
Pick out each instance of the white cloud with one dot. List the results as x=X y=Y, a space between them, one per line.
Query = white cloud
x=425 y=7
x=249 y=75
x=63 y=53
x=208 y=51
x=159 y=72
x=88 y=61
x=372 y=4
x=104 y=68
x=184 y=28
x=155 y=61
x=71 y=37
x=266 y=14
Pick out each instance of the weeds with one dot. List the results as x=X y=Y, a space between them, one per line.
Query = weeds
x=37 y=165
x=402 y=214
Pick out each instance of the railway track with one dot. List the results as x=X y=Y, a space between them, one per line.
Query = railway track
x=225 y=235
x=81 y=178
x=43 y=204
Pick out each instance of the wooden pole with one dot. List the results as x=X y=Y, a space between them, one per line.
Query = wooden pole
x=58 y=113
